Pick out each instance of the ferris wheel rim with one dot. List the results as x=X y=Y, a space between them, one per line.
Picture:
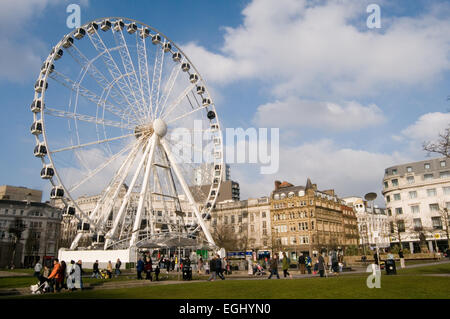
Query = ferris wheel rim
x=51 y=59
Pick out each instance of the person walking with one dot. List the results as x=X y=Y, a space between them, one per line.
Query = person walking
x=73 y=276
x=63 y=273
x=285 y=264
x=37 y=269
x=117 y=267
x=308 y=264
x=402 y=258
x=109 y=269
x=302 y=263
x=95 y=271
x=219 y=268
x=56 y=275
x=167 y=264
x=200 y=265
x=148 y=268
x=139 y=268
x=206 y=267
x=157 y=271
x=321 y=265
x=80 y=266
x=212 y=266
x=274 y=266
x=334 y=262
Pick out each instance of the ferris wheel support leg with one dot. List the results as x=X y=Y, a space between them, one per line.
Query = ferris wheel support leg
x=187 y=191
x=76 y=241
x=121 y=212
x=142 y=195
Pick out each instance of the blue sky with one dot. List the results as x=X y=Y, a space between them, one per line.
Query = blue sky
x=349 y=101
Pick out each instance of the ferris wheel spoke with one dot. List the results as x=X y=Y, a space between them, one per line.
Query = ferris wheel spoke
x=178 y=100
x=115 y=72
x=121 y=213
x=98 y=76
x=143 y=193
x=187 y=114
x=87 y=118
x=169 y=87
x=176 y=143
x=107 y=200
x=143 y=68
x=186 y=190
x=91 y=143
x=89 y=95
x=99 y=168
x=129 y=69
x=156 y=82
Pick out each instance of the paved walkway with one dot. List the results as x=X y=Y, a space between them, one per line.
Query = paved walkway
x=237 y=275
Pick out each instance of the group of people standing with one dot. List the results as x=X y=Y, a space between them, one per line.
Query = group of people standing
x=60 y=276
x=109 y=270
x=216 y=268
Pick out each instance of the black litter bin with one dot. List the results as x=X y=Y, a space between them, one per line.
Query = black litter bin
x=390 y=267
x=187 y=273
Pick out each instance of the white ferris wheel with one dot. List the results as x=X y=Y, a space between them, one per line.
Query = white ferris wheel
x=120 y=111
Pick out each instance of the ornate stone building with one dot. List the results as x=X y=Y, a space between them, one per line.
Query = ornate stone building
x=29 y=229
x=306 y=220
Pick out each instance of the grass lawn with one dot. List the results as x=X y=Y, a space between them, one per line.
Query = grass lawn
x=353 y=287
x=434 y=269
x=26 y=281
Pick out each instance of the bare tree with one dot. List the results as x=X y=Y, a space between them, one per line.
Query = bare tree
x=225 y=237
x=16 y=229
x=443 y=211
x=441 y=146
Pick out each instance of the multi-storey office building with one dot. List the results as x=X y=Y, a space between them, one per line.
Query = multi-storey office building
x=416 y=196
x=306 y=220
x=28 y=230
x=373 y=224
x=248 y=221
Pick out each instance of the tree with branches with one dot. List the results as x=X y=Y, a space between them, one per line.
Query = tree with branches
x=16 y=229
x=441 y=146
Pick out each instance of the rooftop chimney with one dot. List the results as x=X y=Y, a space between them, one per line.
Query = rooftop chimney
x=277 y=185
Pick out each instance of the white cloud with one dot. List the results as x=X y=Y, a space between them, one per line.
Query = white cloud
x=348 y=171
x=427 y=127
x=294 y=112
x=311 y=48
x=22 y=47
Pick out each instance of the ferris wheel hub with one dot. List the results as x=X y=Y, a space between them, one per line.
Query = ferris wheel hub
x=160 y=127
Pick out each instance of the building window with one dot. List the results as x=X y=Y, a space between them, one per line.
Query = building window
x=427 y=177
x=263 y=214
x=415 y=209
x=417 y=224
x=427 y=166
x=391 y=226
x=445 y=174
x=396 y=196
x=412 y=194
x=401 y=226
x=232 y=219
x=434 y=207
x=409 y=169
x=437 y=222
x=398 y=211
x=394 y=182
x=410 y=179
x=394 y=171
x=389 y=212
x=388 y=198
x=431 y=192
x=386 y=185
x=252 y=228
x=442 y=163
x=446 y=190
